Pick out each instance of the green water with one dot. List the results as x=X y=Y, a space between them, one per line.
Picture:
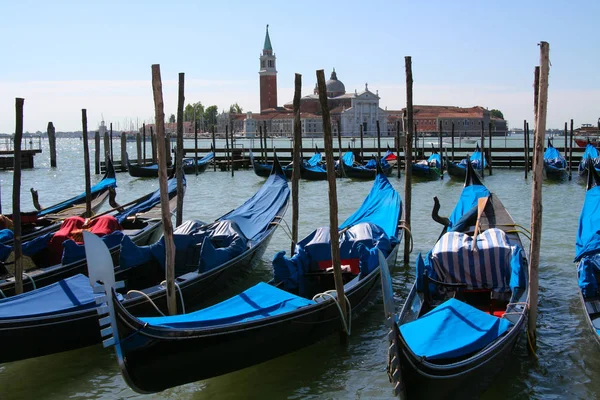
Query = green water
x=568 y=364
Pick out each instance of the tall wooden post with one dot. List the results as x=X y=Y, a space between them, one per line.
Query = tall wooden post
x=143 y=144
x=231 y=153
x=52 y=144
x=525 y=149
x=179 y=155
x=112 y=153
x=441 y=154
x=154 y=143
x=398 y=147
x=97 y=153
x=123 y=151
x=452 y=138
x=334 y=233
x=339 y=131
x=86 y=165
x=408 y=154
x=138 y=145
x=214 y=141
x=482 y=150
x=378 y=142
x=16 y=206
x=265 y=139
x=159 y=116
x=528 y=163
x=196 y=146
x=490 y=148
x=227 y=162
x=296 y=161
x=106 y=149
x=570 y=150
x=260 y=140
x=536 y=198
x=362 y=145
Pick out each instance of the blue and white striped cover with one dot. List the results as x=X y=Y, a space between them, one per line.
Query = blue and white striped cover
x=488 y=267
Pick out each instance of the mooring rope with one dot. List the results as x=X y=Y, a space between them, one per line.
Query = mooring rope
x=402 y=226
x=329 y=294
x=30 y=278
x=152 y=302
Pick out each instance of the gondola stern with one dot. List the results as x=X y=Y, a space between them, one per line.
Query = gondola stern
x=593 y=179
x=471 y=177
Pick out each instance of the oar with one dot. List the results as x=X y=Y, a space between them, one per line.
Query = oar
x=481 y=203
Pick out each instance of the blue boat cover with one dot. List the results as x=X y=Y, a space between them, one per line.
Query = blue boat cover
x=202 y=161
x=476 y=159
x=435 y=160
x=451 y=330
x=152 y=200
x=381 y=207
x=590 y=152
x=314 y=160
x=67 y=295
x=553 y=158
x=467 y=204
x=260 y=301
x=588 y=234
x=254 y=216
x=587 y=269
x=6 y=235
x=74 y=252
x=100 y=186
x=491 y=266
x=348 y=158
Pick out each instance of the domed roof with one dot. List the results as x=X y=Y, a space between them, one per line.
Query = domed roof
x=334 y=86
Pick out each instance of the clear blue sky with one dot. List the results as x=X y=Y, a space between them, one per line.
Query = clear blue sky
x=62 y=56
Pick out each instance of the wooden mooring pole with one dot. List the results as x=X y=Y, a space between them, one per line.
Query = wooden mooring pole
x=138 y=147
x=159 y=116
x=86 y=166
x=408 y=154
x=334 y=233
x=179 y=154
x=106 y=148
x=536 y=198
x=362 y=144
x=16 y=206
x=441 y=153
x=452 y=138
x=123 y=152
x=227 y=146
x=143 y=144
x=214 y=141
x=112 y=153
x=296 y=161
x=489 y=158
x=52 y=144
x=398 y=147
x=482 y=151
x=196 y=145
x=570 y=150
x=153 y=143
x=378 y=142
x=525 y=150
x=97 y=153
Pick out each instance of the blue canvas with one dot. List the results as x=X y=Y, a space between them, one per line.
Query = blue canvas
x=588 y=234
x=452 y=329
x=258 y=302
x=467 y=201
x=67 y=295
x=152 y=200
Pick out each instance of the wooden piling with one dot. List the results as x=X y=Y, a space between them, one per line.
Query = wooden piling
x=106 y=148
x=143 y=143
x=525 y=150
x=16 y=206
x=339 y=132
x=482 y=151
x=296 y=161
x=260 y=140
x=164 y=195
x=86 y=166
x=528 y=159
x=196 y=145
x=362 y=145
x=153 y=143
x=97 y=153
x=441 y=153
x=179 y=154
x=265 y=139
x=536 y=198
x=408 y=154
x=489 y=158
x=570 y=150
x=452 y=138
x=52 y=144
x=334 y=233
x=378 y=142
x=123 y=152
x=398 y=147
x=231 y=154
x=227 y=162
x=138 y=146
x=214 y=141
x=112 y=153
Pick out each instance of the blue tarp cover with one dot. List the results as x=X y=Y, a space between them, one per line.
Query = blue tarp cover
x=588 y=234
x=254 y=216
x=381 y=207
x=587 y=269
x=590 y=152
x=100 y=186
x=260 y=301
x=476 y=160
x=553 y=158
x=150 y=202
x=71 y=294
x=435 y=160
x=466 y=202
x=348 y=158
x=314 y=160
x=452 y=329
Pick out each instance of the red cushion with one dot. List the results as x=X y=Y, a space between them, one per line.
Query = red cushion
x=353 y=263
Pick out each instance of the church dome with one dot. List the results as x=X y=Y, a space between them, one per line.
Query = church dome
x=334 y=86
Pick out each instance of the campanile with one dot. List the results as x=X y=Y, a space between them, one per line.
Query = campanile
x=268 y=76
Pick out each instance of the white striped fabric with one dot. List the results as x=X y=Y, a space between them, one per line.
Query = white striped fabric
x=487 y=267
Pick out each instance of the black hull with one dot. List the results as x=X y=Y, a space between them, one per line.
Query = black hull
x=555 y=174
x=313 y=175
x=431 y=174
x=138 y=171
x=35 y=337
x=264 y=170
x=191 y=169
x=455 y=171
x=364 y=174
x=157 y=359
x=50 y=275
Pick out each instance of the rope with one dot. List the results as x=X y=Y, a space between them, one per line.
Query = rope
x=148 y=298
x=31 y=279
x=2 y=293
x=530 y=344
x=402 y=226
x=180 y=294
x=329 y=294
x=528 y=236
x=289 y=235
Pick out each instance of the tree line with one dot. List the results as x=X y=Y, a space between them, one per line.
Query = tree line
x=205 y=117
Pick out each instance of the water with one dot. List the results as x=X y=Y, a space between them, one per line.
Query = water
x=568 y=365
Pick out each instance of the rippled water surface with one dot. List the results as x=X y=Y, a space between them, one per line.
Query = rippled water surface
x=568 y=364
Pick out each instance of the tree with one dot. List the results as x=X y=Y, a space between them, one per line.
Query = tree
x=497 y=114
x=172 y=119
x=191 y=110
x=210 y=116
x=235 y=109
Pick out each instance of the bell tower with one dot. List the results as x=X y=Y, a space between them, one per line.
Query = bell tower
x=268 y=76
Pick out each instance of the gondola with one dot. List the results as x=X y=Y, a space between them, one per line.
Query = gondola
x=294 y=310
x=48 y=219
x=555 y=165
x=189 y=164
x=351 y=169
x=313 y=169
x=63 y=316
x=459 y=170
x=468 y=305
x=587 y=250
x=430 y=169
x=264 y=170
x=145 y=171
x=56 y=255
x=590 y=153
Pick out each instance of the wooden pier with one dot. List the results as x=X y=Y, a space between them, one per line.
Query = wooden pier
x=7 y=158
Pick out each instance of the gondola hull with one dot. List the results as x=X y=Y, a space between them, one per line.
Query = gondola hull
x=138 y=171
x=555 y=174
x=147 y=369
x=364 y=173
x=425 y=172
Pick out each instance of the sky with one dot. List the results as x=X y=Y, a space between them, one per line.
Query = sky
x=64 y=56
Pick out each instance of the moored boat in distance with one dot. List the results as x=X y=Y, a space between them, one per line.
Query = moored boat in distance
x=555 y=165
